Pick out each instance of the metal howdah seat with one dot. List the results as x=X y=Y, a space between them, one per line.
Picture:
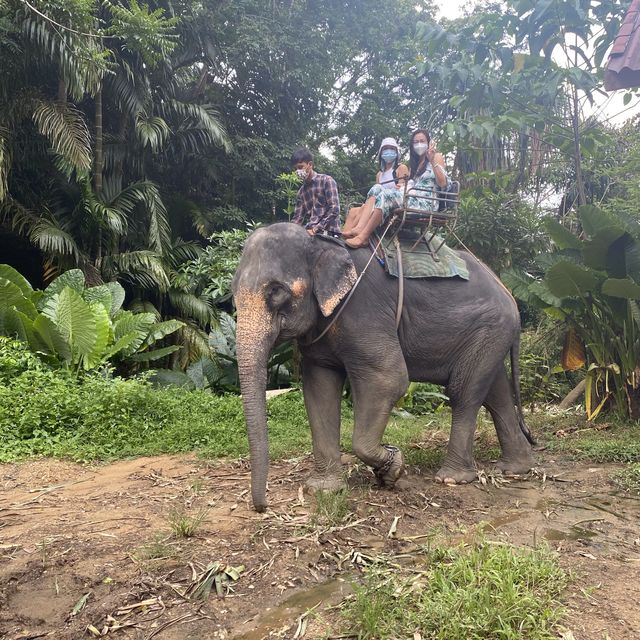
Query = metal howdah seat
x=422 y=224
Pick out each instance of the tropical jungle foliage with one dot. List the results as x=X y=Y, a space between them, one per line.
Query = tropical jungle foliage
x=141 y=141
x=76 y=326
x=592 y=283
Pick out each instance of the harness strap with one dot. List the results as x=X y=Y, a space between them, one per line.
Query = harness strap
x=396 y=242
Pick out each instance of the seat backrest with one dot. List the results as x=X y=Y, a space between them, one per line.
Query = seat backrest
x=449 y=197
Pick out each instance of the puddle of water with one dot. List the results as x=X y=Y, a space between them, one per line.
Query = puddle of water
x=293 y=607
x=574 y=533
x=506 y=519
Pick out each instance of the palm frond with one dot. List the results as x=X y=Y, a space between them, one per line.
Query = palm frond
x=195 y=343
x=65 y=128
x=82 y=61
x=53 y=239
x=152 y=131
x=145 y=306
x=200 y=117
x=182 y=251
x=144 y=268
x=130 y=89
x=159 y=228
x=189 y=305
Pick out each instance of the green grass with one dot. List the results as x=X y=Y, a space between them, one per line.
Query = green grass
x=332 y=508
x=186 y=525
x=619 y=442
x=482 y=592
x=629 y=478
x=155 y=549
x=44 y=412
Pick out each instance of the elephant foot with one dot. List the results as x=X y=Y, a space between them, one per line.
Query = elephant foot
x=391 y=469
x=515 y=466
x=449 y=475
x=314 y=484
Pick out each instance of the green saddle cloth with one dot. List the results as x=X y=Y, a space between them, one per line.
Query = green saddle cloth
x=419 y=263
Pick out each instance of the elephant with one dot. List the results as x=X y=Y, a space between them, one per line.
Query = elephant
x=290 y=284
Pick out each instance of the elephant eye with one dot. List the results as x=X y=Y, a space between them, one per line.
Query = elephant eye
x=277 y=296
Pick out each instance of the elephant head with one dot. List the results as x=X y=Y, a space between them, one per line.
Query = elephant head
x=285 y=282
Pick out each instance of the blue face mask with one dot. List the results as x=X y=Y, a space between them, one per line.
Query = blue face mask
x=388 y=155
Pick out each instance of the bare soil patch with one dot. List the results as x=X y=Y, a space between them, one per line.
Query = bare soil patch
x=69 y=532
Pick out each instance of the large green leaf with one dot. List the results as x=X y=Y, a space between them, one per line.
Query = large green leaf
x=138 y=325
x=100 y=294
x=103 y=333
x=561 y=236
x=568 y=280
x=117 y=297
x=53 y=338
x=171 y=378
x=595 y=220
x=518 y=281
x=74 y=279
x=75 y=319
x=123 y=344
x=11 y=297
x=9 y=273
x=540 y=290
x=12 y=324
x=596 y=252
x=621 y=288
x=161 y=329
x=204 y=373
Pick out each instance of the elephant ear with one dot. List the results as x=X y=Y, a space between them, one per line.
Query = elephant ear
x=334 y=274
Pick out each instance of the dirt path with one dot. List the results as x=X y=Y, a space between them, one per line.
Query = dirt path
x=68 y=531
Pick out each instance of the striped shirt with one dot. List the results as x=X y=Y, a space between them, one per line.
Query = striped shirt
x=317 y=202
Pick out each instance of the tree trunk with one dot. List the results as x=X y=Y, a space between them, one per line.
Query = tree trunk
x=573 y=396
x=98 y=164
x=582 y=198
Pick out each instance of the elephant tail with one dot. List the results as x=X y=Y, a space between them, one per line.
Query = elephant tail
x=515 y=378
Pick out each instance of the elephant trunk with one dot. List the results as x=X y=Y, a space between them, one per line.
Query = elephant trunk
x=254 y=341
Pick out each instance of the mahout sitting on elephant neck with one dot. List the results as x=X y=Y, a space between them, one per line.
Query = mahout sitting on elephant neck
x=452 y=332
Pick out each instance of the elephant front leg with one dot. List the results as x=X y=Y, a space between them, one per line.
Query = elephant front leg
x=373 y=400
x=322 y=389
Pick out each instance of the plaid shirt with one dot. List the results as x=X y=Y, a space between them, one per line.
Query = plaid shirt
x=318 y=203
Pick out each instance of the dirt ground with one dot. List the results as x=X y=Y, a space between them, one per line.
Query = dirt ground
x=90 y=551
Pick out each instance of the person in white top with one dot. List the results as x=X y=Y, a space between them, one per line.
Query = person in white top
x=391 y=175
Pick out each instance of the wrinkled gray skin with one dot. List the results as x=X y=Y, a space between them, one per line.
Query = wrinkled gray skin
x=454 y=333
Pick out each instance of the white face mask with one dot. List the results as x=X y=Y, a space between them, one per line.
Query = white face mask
x=301 y=173
x=420 y=148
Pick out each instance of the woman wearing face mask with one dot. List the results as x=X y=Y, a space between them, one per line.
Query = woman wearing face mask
x=391 y=175
x=426 y=175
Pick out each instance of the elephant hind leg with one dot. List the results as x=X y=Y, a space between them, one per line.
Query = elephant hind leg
x=458 y=466
x=516 y=456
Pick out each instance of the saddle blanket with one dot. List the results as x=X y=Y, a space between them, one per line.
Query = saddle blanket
x=420 y=263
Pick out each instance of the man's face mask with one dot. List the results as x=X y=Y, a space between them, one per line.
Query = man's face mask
x=389 y=155
x=303 y=170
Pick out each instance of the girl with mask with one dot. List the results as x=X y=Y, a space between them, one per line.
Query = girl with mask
x=426 y=175
x=391 y=175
